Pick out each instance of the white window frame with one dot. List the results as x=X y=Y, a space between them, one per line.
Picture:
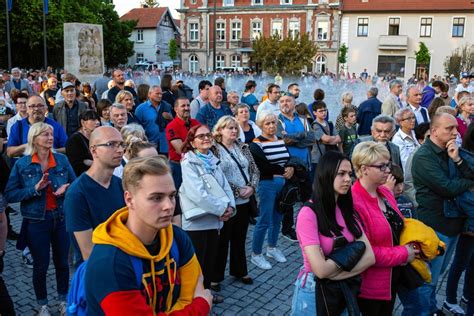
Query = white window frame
x=463 y=29
x=192 y=31
x=257 y=2
x=286 y=2
x=322 y=20
x=140 y=57
x=292 y=31
x=193 y=65
x=235 y=32
x=227 y=3
x=252 y=29
x=220 y=61
x=235 y=60
x=399 y=24
x=220 y=31
x=431 y=26
x=281 y=29
x=139 y=35
x=357 y=26
x=320 y=61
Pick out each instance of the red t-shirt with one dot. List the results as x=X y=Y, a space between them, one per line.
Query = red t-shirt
x=177 y=129
x=50 y=198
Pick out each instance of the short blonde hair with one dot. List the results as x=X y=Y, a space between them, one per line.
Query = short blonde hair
x=262 y=117
x=121 y=95
x=137 y=168
x=367 y=153
x=221 y=123
x=446 y=109
x=35 y=130
x=347 y=96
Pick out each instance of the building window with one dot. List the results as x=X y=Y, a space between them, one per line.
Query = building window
x=458 y=27
x=193 y=31
x=257 y=2
x=139 y=35
x=294 y=29
x=277 y=27
x=140 y=58
x=193 y=1
x=220 y=30
x=323 y=27
x=236 y=31
x=363 y=27
x=425 y=27
x=321 y=64
x=235 y=61
x=228 y=3
x=220 y=61
x=286 y=2
x=391 y=65
x=193 y=64
x=256 y=29
x=394 y=26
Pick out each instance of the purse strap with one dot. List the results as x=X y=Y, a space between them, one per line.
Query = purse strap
x=237 y=162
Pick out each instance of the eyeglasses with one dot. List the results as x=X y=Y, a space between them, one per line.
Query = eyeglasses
x=36 y=106
x=322 y=110
x=408 y=118
x=115 y=145
x=21 y=103
x=203 y=136
x=383 y=167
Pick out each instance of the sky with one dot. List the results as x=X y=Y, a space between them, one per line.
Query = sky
x=123 y=6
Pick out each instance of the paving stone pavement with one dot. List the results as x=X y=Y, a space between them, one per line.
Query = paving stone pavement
x=270 y=294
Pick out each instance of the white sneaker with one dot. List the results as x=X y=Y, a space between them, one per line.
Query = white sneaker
x=44 y=311
x=276 y=254
x=453 y=309
x=62 y=308
x=261 y=262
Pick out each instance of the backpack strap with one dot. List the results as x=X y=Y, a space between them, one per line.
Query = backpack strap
x=137 y=268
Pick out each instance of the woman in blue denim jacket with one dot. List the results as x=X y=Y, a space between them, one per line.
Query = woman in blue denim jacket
x=38 y=181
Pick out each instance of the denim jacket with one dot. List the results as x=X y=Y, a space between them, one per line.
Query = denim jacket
x=23 y=178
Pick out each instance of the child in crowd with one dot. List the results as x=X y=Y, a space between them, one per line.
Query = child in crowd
x=348 y=131
x=405 y=205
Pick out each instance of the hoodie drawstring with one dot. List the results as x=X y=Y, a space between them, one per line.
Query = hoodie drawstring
x=172 y=281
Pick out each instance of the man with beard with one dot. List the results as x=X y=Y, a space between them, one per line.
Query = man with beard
x=97 y=193
x=119 y=80
x=36 y=109
x=17 y=83
x=176 y=132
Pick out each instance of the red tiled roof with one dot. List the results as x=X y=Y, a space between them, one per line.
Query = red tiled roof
x=147 y=17
x=407 y=5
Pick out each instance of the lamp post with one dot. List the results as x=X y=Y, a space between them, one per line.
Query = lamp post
x=214 y=41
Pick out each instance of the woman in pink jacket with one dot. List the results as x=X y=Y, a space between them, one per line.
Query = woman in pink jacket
x=383 y=223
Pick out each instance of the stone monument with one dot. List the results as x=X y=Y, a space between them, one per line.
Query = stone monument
x=84 y=50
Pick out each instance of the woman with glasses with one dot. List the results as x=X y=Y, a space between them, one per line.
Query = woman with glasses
x=206 y=198
x=77 y=146
x=383 y=223
x=39 y=181
x=405 y=137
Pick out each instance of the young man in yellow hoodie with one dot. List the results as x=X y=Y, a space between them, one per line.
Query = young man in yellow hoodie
x=171 y=279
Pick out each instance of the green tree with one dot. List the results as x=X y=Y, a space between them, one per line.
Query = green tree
x=461 y=59
x=423 y=55
x=286 y=56
x=173 y=49
x=150 y=3
x=26 y=30
x=342 y=55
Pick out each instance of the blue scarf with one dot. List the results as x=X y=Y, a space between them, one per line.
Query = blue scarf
x=206 y=159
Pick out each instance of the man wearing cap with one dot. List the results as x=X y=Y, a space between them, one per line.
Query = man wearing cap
x=463 y=86
x=67 y=112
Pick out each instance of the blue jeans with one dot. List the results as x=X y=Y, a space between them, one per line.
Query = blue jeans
x=41 y=236
x=463 y=260
x=176 y=173
x=269 y=218
x=424 y=297
x=304 y=295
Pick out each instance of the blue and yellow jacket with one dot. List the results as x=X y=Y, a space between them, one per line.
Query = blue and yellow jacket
x=168 y=281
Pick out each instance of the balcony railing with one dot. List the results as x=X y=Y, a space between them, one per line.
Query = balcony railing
x=393 y=42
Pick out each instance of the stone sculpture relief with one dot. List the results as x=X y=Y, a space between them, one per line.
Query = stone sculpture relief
x=90 y=50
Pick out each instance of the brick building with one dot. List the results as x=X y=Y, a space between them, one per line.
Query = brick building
x=239 y=22
x=382 y=35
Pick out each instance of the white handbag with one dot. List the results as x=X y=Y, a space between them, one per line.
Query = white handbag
x=193 y=211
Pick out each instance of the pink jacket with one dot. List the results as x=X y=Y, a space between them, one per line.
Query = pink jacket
x=376 y=281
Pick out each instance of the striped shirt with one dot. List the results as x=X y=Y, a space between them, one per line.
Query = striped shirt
x=275 y=151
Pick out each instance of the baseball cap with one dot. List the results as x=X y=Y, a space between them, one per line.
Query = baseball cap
x=465 y=75
x=67 y=84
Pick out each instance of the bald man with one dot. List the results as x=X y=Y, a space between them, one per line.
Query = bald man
x=97 y=193
x=214 y=110
x=433 y=186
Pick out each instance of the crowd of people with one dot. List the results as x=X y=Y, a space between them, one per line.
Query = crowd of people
x=152 y=187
